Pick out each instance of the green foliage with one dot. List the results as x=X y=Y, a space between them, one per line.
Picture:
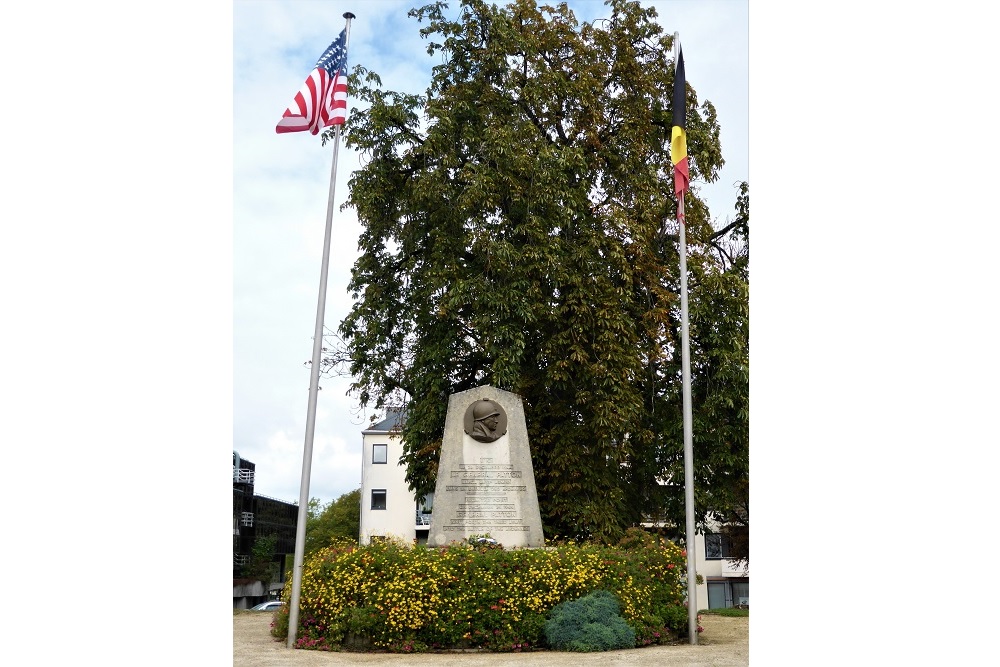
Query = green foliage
x=591 y=623
x=339 y=520
x=261 y=554
x=729 y=611
x=279 y=623
x=677 y=619
x=515 y=233
x=394 y=596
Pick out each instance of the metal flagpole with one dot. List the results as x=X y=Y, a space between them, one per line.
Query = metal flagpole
x=689 y=540
x=300 y=526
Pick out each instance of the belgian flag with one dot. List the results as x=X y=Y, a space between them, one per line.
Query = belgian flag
x=678 y=135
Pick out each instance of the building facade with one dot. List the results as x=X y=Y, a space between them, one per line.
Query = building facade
x=256 y=517
x=726 y=583
x=388 y=507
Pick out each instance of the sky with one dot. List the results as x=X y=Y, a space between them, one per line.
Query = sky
x=280 y=193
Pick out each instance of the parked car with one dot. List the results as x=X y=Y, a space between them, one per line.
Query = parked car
x=270 y=605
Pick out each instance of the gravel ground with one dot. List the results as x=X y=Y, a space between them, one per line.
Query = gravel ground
x=724 y=643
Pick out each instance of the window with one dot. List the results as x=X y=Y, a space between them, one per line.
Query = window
x=380 y=453
x=713 y=546
x=741 y=592
x=723 y=593
x=716 y=546
x=378 y=499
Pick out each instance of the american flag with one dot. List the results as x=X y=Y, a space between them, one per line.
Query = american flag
x=322 y=101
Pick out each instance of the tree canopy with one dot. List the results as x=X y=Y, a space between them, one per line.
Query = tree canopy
x=340 y=518
x=518 y=231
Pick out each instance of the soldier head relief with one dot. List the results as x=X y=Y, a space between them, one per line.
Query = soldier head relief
x=485 y=421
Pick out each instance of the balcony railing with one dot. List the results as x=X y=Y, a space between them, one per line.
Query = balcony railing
x=730 y=568
x=242 y=475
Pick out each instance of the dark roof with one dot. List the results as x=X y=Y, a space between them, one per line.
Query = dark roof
x=393 y=421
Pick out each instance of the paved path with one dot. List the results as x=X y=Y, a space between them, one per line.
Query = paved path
x=724 y=643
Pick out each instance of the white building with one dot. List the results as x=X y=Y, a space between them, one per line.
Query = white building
x=725 y=583
x=388 y=507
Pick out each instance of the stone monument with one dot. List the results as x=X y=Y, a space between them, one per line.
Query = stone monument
x=485 y=481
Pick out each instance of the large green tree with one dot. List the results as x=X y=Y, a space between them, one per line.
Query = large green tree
x=339 y=519
x=518 y=232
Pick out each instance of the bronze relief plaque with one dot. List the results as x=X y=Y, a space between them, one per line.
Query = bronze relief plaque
x=485 y=421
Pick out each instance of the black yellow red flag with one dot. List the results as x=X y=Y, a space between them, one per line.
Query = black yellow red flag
x=678 y=135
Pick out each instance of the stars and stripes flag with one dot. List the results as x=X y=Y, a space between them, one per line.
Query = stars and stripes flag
x=678 y=134
x=322 y=100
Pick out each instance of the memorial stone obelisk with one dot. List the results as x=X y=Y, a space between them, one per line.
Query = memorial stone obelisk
x=485 y=482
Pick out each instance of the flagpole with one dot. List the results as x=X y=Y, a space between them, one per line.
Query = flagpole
x=300 y=526
x=689 y=540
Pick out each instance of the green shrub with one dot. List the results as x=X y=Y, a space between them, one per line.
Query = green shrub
x=592 y=623
x=279 y=622
x=676 y=618
x=398 y=596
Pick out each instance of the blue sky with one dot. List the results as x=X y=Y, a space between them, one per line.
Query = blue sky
x=280 y=192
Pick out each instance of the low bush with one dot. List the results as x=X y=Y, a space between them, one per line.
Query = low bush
x=591 y=623
x=401 y=597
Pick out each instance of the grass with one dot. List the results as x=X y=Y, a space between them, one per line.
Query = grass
x=739 y=613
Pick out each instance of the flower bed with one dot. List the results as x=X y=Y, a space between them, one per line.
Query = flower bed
x=397 y=597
